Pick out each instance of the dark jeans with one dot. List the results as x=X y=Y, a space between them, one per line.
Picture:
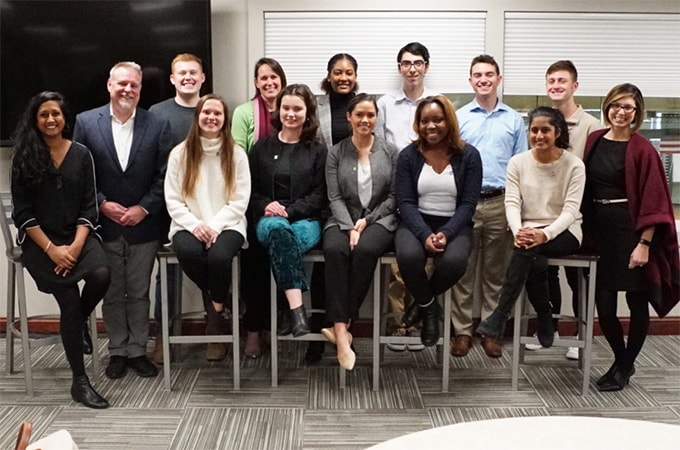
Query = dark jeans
x=210 y=269
x=350 y=272
x=529 y=268
x=449 y=266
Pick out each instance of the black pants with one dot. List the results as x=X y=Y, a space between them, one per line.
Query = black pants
x=209 y=268
x=349 y=273
x=449 y=266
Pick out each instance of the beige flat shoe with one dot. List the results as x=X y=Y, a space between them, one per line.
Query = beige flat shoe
x=329 y=333
x=347 y=360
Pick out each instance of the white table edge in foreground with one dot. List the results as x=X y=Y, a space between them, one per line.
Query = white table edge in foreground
x=541 y=433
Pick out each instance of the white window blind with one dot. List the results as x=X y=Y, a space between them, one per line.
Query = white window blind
x=303 y=42
x=607 y=49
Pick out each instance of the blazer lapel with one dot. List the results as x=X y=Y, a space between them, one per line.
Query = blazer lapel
x=137 y=136
x=104 y=124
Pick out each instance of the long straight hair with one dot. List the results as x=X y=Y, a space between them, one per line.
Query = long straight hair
x=193 y=150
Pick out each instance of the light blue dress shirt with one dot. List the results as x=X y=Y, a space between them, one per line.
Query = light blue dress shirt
x=498 y=135
x=395 y=117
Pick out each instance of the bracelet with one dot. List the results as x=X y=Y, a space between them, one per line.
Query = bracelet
x=645 y=242
x=47 y=247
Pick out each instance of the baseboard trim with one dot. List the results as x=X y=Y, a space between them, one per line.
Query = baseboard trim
x=360 y=328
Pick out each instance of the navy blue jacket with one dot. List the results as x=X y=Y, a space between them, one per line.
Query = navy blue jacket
x=467 y=173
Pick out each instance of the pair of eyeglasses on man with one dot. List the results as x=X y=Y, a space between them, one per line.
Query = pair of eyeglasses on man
x=406 y=65
x=615 y=107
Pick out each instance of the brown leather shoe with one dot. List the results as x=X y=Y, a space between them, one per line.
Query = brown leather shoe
x=460 y=346
x=492 y=347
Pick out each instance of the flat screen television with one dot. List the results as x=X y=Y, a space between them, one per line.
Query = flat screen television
x=70 y=46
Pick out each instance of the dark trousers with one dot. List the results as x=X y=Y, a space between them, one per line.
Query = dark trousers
x=449 y=266
x=209 y=268
x=349 y=273
x=255 y=284
x=529 y=268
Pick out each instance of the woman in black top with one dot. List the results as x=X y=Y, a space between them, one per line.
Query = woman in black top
x=55 y=210
x=289 y=194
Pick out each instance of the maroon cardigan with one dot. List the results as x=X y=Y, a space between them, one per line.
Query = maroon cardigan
x=649 y=204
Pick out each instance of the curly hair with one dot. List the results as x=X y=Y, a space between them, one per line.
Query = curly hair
x=31 y=161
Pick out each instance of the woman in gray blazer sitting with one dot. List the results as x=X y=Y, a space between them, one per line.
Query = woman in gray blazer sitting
x=359 y=172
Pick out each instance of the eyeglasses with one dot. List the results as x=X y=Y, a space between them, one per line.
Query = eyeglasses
x=406 y=65
x=615 y=107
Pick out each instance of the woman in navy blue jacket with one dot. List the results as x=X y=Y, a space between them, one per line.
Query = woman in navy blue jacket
x=438 y=181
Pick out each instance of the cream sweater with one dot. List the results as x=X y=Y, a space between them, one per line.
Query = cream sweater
x=209 y=204
x=545 y=195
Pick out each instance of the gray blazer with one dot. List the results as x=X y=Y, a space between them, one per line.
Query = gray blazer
x=323 y=112
x=341 y=179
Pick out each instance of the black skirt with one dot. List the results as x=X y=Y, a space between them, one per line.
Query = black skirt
x=41 y=267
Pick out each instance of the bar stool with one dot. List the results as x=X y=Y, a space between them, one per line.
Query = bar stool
x=379 y=325
x=584 y=340
x=312 y=256
x=16 y=294
x=167 y=256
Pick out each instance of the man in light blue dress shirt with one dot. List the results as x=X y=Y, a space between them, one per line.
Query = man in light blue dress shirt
x=498 y=132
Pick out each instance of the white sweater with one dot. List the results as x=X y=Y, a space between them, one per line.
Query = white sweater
x=545 y=195
x=209 y=204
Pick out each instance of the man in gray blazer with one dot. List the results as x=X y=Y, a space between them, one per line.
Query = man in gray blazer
x=130 y=148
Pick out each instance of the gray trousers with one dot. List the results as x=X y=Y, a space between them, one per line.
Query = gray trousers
x=126 y=304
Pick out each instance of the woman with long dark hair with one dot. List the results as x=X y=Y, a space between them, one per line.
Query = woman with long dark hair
x=543 y=195
x=55 y=209
x=289 y=194
x=207 y=189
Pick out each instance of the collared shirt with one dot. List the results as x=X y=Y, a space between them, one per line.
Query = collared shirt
x=395 y=117
x=498 y=135
x=122 y=137
x=580 y=124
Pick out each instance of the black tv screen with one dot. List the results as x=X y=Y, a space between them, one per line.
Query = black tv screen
x=70 y=46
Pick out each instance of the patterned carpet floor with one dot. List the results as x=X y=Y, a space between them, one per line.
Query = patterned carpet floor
x=309 y=410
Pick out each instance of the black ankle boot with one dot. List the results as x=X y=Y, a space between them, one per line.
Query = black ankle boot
x=413 y=315
x=83 y=392
x=429 y=335
x=300 y=325
x=493 y=326
x=283 y=325
x=545 y=332
x=87 y=340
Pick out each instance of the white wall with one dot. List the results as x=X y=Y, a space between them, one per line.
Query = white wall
x=238 y=41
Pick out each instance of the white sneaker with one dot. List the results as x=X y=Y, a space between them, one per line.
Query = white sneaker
x=534 y=347
x=572 y=353
x=397 y=347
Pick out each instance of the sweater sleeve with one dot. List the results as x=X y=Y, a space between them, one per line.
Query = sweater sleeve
x=513 y=198
x=234 y=209
x=572 y=200
x=406 y=191
x=174 y=199
x=242 y=126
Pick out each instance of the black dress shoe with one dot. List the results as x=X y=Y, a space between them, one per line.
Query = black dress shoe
x=314 y=352
x=616 y=381
x=413 y=315
x=87 y=340
x=300 y=325
x=143 y=366
x=116 y=367
x=545 y=331
x=283 y=322
x=605 y=379
x=83 y=392
x=429 y=335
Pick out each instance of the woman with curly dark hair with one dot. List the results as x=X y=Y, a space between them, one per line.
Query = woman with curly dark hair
x=55 y=206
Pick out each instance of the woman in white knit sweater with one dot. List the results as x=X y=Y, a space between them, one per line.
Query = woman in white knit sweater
x=543 y=196
x=207 y=188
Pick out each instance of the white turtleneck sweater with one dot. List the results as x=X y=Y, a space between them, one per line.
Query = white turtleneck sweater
x=209 y=204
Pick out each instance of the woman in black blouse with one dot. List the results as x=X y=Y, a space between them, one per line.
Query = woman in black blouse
x=55 y=210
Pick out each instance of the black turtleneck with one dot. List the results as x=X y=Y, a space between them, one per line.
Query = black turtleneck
x=340 y=127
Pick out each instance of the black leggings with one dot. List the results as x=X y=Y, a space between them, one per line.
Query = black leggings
x=75 y=307
x=624 y=352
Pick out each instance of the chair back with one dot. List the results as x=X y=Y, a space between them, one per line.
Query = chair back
x=6 y=220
